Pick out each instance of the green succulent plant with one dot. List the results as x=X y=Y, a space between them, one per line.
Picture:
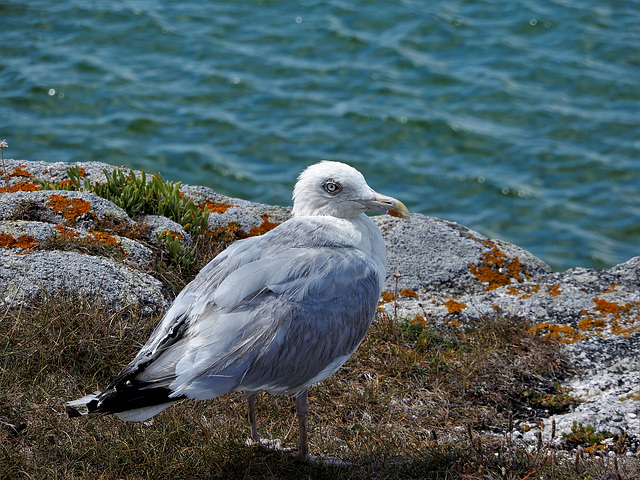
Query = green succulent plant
x=136 y=195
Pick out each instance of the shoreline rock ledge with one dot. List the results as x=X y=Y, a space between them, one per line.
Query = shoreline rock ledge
x=437 y=270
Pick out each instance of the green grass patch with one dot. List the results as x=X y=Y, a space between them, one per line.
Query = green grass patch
x=137 y=196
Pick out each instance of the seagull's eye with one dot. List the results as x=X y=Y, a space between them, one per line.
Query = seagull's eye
x=332 y=187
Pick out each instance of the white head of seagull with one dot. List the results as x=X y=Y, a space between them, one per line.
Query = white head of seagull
x=339 y=190
x=256 y=317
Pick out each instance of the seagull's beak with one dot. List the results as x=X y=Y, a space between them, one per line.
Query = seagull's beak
x=390 y=205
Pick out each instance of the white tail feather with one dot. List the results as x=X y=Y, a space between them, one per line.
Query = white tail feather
x=80 y=405
x=142 y=414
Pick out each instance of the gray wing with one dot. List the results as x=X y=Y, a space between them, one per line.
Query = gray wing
x=268 y=314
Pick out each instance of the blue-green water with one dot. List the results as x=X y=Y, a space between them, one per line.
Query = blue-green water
x=518 y=119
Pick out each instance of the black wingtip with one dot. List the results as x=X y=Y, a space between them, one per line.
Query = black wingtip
x=130 y=396
x=72 y=412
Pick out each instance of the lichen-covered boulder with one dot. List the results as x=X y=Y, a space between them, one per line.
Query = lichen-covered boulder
x=447 y=273
x=70 y=242
x=251 y=218
x=60 y=207
x=430 y=254
x=26 y=277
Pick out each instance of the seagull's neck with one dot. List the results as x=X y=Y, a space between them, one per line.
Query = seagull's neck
x=359 y=232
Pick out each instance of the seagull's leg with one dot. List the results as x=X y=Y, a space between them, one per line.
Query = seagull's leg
x=302 y=410
x=251 y=403
x=255 y=439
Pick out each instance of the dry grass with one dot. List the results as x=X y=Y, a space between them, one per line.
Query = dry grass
x=415 y=401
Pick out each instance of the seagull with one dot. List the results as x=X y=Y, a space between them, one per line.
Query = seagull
x=276 y=313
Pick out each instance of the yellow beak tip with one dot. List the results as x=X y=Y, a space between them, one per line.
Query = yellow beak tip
x=399 y=211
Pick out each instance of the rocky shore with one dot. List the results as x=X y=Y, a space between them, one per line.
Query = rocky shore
x=438 y=271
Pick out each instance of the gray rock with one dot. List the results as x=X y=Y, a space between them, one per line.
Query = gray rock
x=160 y=225
x=432 y=254
x=36 y=225
x=252 y=218
x=26 y=236
x=60 y=207
x=25 y=277
x=32 y=172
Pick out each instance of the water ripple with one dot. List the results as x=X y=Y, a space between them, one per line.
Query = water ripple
x=518 y=120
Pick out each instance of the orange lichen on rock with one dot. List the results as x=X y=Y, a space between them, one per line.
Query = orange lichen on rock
x=593 y=449
x=497 y=269
x=562 y=333
x=264 y=227
x=620 y=319
x=525 y=290
x=66 y=233
x=589 y=324
x=554 y=290
x=605 y=307
x=26 y=242
x=216 y=207
x=20 y=187
x=23 y=241
x=100 y=238
x=407 y=292
x=70 y=183
x=419 y=319
x=71 y=208
x=633 y=396
x=453 y=306
x=71 y=238
x=20 y=171
x=605 y=320
x=387 y=297
x=612 y=287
